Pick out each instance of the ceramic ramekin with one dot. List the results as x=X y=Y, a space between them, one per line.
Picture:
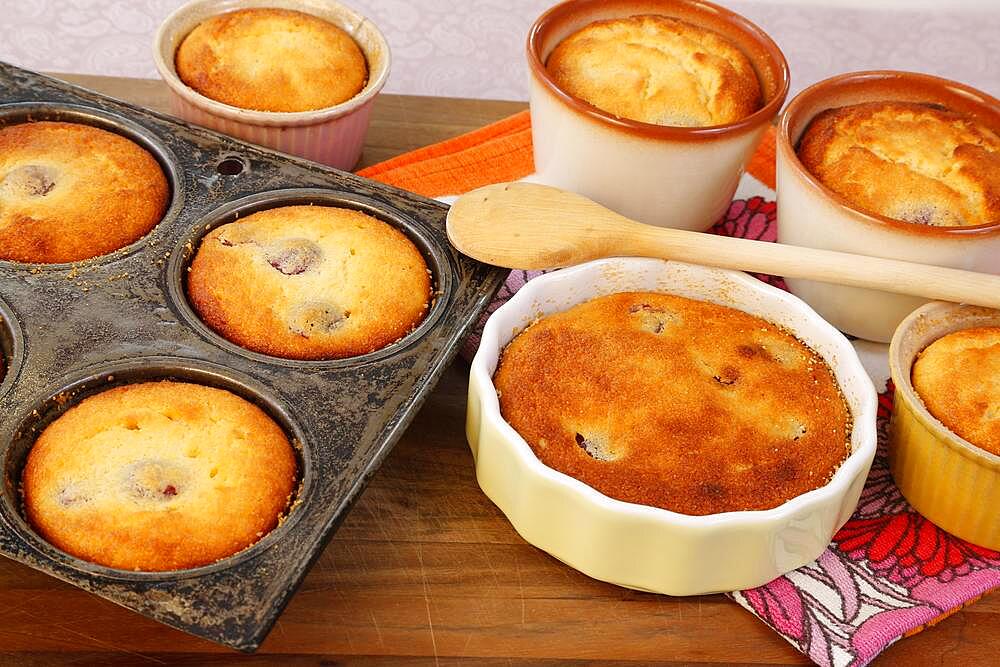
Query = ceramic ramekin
x=649 y=548
x=947 y=479
x=681 y=177
x=810 y=214
x=333 y=136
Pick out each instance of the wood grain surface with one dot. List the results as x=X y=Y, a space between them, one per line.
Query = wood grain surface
x=425 y=570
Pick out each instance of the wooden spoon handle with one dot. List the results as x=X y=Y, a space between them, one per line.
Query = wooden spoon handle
x=890 y=275
x=531 y=226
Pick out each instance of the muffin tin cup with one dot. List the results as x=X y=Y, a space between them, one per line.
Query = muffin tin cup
x=11 y=347
x=812 y=215
x=333 y=136
x=187 y=247
x=946 y=478
x=65 y=396
x=66 y=328
x=649 y=548
x=21 y=112
x=682 y=177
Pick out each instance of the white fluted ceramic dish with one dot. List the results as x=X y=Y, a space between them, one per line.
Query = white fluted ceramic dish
x=648 y=548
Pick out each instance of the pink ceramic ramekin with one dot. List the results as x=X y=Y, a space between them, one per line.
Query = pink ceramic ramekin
x=334 y=136
x=810 y=214
x=681 y=177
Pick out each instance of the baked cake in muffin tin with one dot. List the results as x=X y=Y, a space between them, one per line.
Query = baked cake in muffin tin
x=159 y=476
x=680 y=404
x=309 y=282
x=72 y=332
x=70 y=192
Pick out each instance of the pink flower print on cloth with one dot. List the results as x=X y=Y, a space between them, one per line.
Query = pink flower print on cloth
x=888 y=572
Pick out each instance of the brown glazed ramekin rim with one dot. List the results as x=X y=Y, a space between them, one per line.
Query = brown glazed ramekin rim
x=931 y=88
x=691 y=11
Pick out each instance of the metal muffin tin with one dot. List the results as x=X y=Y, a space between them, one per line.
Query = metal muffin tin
x=69 y=330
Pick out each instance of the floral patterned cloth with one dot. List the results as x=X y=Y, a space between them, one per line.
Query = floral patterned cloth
x=888 y=573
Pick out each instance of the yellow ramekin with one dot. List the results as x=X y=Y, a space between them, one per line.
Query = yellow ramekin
x=946 y=478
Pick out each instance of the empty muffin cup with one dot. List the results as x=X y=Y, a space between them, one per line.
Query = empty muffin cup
x=670 y=176
x=811 y=214
x=11 y=347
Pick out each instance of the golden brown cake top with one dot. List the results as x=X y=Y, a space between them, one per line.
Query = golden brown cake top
x=660 y=400
x=310 y=282
x=657 y=70
x=272 y=60
x=69 y=192
x=912 y=162
x=159 y=476
x=958 y=379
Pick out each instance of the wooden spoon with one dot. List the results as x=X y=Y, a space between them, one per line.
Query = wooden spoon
x=530 y=226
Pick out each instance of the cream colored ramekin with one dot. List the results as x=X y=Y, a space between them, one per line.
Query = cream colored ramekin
x=648 y=548
x=810 y=214
x=947 y=479
x=333 y=136
x=668 y=176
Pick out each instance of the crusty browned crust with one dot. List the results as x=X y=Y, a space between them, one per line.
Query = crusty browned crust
x=309 y=282
x=159 y=476
x=659 y=400
x=912 y=162
x=958 y=379
x=272 y=60
x=69 y=192
x=657 y=70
